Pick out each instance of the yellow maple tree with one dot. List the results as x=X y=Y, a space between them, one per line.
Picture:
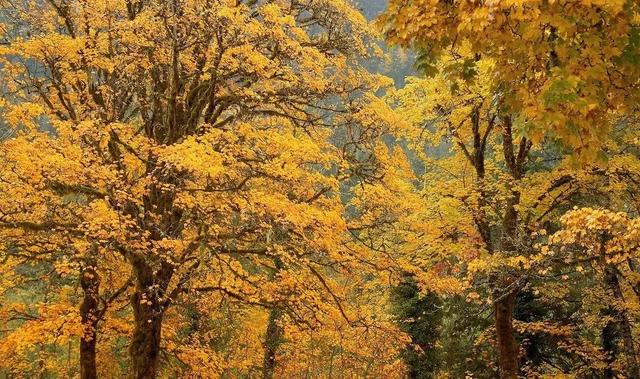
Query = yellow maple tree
x=192 y=146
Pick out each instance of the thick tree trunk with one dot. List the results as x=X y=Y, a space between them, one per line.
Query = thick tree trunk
x=90 y=283
x=145 y=345
x=148 y=312
x=507 y=345
x=612 y=281
x=149 y=301
x=272 y=341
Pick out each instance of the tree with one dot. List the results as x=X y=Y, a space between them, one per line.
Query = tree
x=557 y=71
x=606 y=242
x=468 y=116
x=488 y=191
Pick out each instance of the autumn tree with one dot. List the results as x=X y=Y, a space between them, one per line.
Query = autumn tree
x=190 y=142
x=471 y=191
x=603 y=244
x=557 y=70
x=591 y=256
x=561 y=315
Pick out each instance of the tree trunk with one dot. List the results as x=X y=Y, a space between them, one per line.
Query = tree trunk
x=507 y=345
x=273 y=340
x=148 y=312
x=90 y=283
x=612 y=281
x=145 y=345
x=609 y=345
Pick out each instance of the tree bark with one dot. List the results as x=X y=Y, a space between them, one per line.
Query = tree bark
x=609 y=345
x=148 y=311
x=612 y=281
x=507 y=345
x=150 y=299
x=515 y=158
x=273 y=340
x=90 y=283
x=145 y=345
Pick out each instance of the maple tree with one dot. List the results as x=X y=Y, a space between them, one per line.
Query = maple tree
x=591 y=257
x=489 y=204
x=530 y=73
x=187 y=145
x=605 y=242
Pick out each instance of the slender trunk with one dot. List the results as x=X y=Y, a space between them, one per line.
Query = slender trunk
x=275 y=333
x=273 y=340
x=633 y=370
x=507 y=344
x=90 y=283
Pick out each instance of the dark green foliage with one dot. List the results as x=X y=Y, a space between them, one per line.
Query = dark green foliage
x=420 y=316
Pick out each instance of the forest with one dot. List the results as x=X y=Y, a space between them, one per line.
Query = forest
x=420 y=189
